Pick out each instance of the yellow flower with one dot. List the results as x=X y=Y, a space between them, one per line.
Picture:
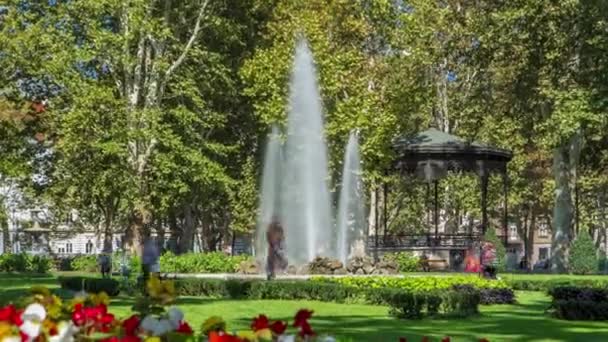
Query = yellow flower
x=264 y=334
x=213 y=323
x=5 y=329
x=152 y=339
x=53 y=306
x=247 y=335
x=100 y=298
x=48 y=326
x=40 y=290
x=161 y=290
x=74 y=301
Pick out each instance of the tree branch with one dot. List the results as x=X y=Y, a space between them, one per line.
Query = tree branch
x=197 y=28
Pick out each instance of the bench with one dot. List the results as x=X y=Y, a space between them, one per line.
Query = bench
x=436 y=264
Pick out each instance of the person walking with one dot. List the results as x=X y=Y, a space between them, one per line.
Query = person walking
x=276 y=260
x=150 y=260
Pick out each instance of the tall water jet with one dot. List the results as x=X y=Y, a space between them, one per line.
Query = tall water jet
x=269 y=195
x=306 y=201
x=350 y=218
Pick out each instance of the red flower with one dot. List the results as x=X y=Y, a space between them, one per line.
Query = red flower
x=259 y=323
x=446 y=339
x=184 y=328
x=7 y=313
x=17 y=320
x=214 y=336
x=484 y=340
x=78 y=318
x=111 y=339
x=306 y=330
x=402 y=339
x=425 y=339
x=278 y=327
x=131 y=324
x=130 y=339
x=302 y=317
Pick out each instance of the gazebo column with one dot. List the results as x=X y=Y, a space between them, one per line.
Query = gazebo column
x=484 y=202
x=505 y=222
x=436 y=212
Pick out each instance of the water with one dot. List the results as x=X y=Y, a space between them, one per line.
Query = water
x=269 y=196
x=305 y=195
x=350 y=218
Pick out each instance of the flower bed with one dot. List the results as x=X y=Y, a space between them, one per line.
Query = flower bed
x=491 y=291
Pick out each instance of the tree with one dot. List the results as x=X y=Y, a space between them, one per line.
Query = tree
x=583 y=255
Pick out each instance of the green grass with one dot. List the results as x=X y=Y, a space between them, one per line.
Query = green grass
x=524 y=321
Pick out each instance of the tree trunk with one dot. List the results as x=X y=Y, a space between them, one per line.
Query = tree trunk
x=565 y=162
x=530 y=239
x=187 y=237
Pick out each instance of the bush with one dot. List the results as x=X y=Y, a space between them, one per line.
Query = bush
x=24 y=263
x=548 y=284
x=85 y=263
x=215 y=262
x=407 y=261
x=579 y=303
x=501 y=252
x=402 y=303
x=91 y=285
x=491 y=291
x=583 y=255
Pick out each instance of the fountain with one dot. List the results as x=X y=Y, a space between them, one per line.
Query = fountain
x=350 y=218
x=295 y=185
x=305 y=210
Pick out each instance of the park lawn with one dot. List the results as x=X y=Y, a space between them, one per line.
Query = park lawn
x=524 y=321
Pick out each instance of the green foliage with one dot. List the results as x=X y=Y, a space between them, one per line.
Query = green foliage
x=422 y=283
x=407 y=261
x=25 y=263
x=215 y=262
x=501 y=252
x=548 y=284
x=403 y=303
x=92 y=285
x=85 y=263
x=583 y=255
x=579 y=303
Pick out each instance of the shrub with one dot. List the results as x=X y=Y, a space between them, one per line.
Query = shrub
x=24 y=263
x=579 y=303
x=501 y=252
x=497 y=296
x=407 y=261
x=583 y=255
x=215 y=262
x=92 y=285
x=548 y=284
x=402 y=303
x=85 y=263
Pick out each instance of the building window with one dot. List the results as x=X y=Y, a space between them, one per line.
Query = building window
x=543 y=253
x=68 y=247
x=61 y=250
x=89 y=247
x=513 y=233
x=543 y=230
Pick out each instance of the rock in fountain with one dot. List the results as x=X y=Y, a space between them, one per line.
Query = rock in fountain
x=350 y=210
x=305 y=194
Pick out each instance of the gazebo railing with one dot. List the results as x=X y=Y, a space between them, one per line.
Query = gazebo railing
x=404 y=241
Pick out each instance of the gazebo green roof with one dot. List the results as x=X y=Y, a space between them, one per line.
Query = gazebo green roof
x=435 y=141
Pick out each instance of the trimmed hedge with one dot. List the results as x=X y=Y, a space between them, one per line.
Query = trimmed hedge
x=548 y=284
x=461 y=302
x=491 y=291
x=92 y=285
x=579 y=303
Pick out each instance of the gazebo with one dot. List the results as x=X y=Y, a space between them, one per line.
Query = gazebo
x=429 y=156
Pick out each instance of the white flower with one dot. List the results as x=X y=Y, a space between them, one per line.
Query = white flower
x=66 y=333
x=155 y=326
x=327 y=339
x=164 y=326
x=149 y=323
x=287 y=338
x=176 y=316
x=12 y=339
x=32 y=317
